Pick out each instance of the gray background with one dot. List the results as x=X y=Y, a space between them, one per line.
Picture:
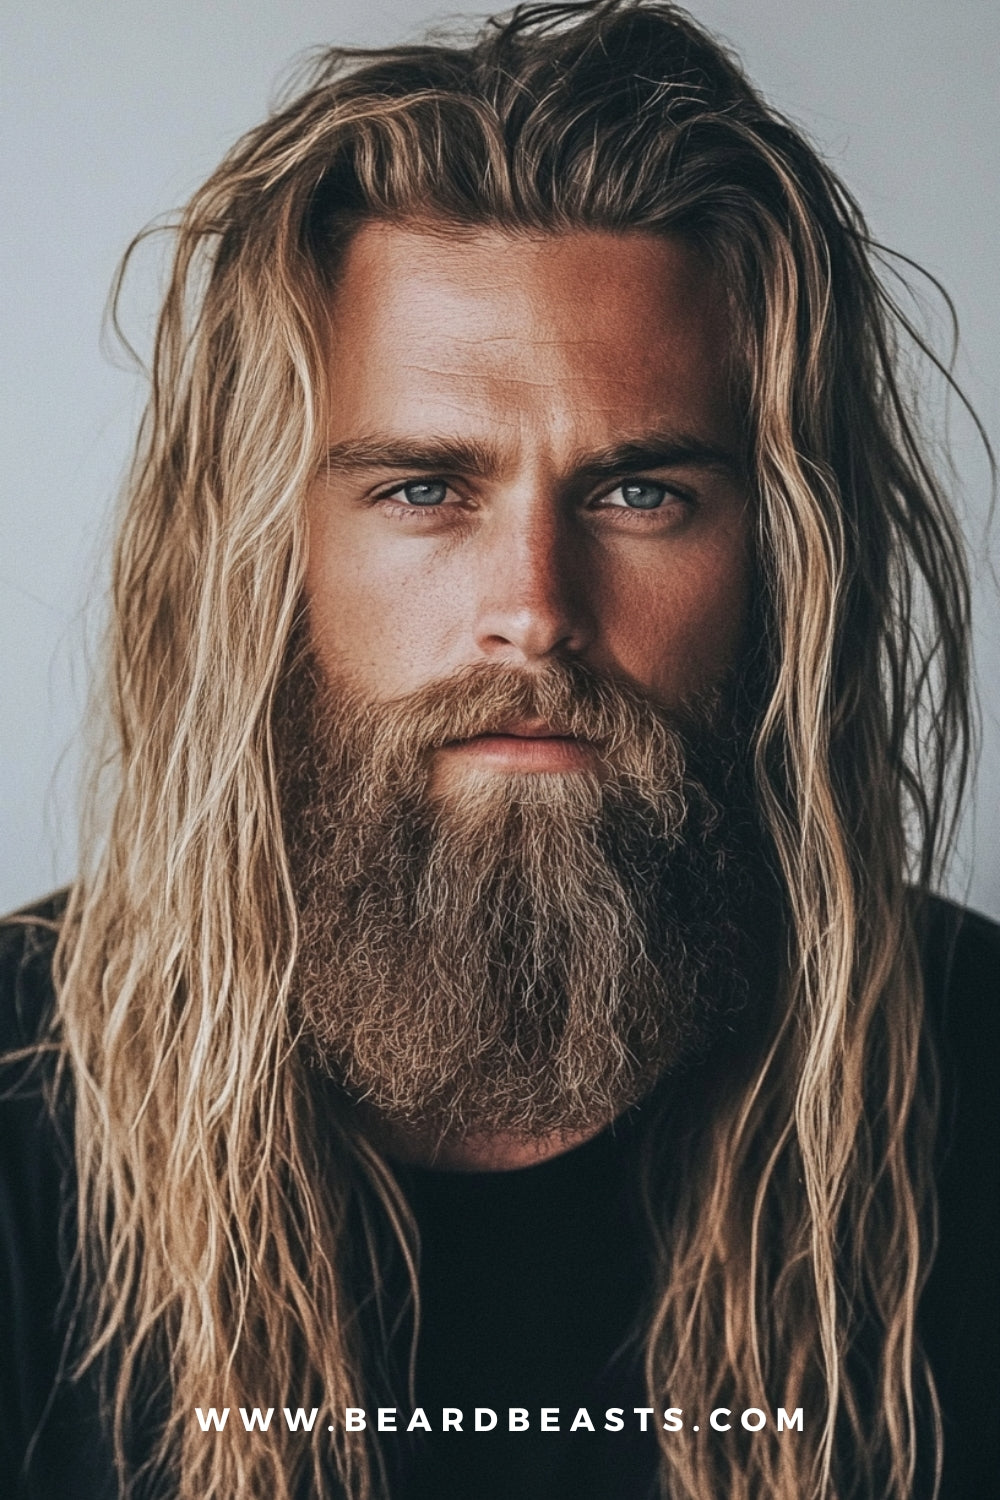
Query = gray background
x=114 y=110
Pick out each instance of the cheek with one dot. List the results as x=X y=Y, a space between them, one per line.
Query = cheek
x=378 y=617
x=678 y=630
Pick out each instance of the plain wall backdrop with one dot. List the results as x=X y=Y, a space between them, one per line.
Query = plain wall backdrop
x=114 y=111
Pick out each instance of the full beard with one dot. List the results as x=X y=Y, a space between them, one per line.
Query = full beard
x=526 y=954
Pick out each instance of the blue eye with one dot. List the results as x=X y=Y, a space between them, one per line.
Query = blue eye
x=642 y=495
x=423 y=492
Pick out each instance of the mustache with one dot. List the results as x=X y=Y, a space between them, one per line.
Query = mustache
x=637 y=738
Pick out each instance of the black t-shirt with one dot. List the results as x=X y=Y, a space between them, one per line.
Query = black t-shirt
x=531 y=1287
x=532 y=1284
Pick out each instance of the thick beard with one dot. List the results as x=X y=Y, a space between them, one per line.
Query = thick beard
x=528 y=955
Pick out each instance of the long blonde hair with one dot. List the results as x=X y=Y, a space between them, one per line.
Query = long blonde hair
x=216 y=1211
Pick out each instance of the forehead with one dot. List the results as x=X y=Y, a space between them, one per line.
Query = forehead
x=584 y=328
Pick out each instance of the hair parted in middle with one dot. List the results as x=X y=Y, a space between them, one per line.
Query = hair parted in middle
x=213 y=1199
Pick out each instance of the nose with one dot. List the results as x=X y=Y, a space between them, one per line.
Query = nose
x=534 y=595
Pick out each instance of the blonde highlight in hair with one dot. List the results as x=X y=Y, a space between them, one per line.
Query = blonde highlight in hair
x=217 y=1210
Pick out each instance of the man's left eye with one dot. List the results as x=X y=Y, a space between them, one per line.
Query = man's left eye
x=422 y=492
x=639 y=494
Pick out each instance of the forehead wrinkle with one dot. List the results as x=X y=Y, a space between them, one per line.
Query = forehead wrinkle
x=477 y=340
x=470 y=376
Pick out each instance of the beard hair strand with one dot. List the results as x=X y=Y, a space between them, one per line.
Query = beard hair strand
x=528 y=954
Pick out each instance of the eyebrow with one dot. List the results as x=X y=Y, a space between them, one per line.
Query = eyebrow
x=665 y=450
x=456 y=455
x=473 y=457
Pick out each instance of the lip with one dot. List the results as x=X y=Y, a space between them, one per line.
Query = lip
x=528 y=745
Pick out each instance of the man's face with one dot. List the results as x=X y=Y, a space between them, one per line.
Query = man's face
x=528 y=554
x=532 y=456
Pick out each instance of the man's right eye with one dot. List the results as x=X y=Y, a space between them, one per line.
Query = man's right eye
x=421 y=492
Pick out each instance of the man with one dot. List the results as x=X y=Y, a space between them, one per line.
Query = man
x=491 y=1048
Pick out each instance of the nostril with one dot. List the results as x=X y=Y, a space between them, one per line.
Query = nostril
x=528 y=633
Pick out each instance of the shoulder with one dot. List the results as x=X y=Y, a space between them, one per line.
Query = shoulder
x=35 y=1198
x=33 y=1144
x=33 y=1150
x=961 y=961
x=27 y=944
x=960 y=1309
x=29 y=1138
x=960 y=950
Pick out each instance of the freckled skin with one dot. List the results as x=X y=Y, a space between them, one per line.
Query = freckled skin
x=544 y=352
x=545 y=349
